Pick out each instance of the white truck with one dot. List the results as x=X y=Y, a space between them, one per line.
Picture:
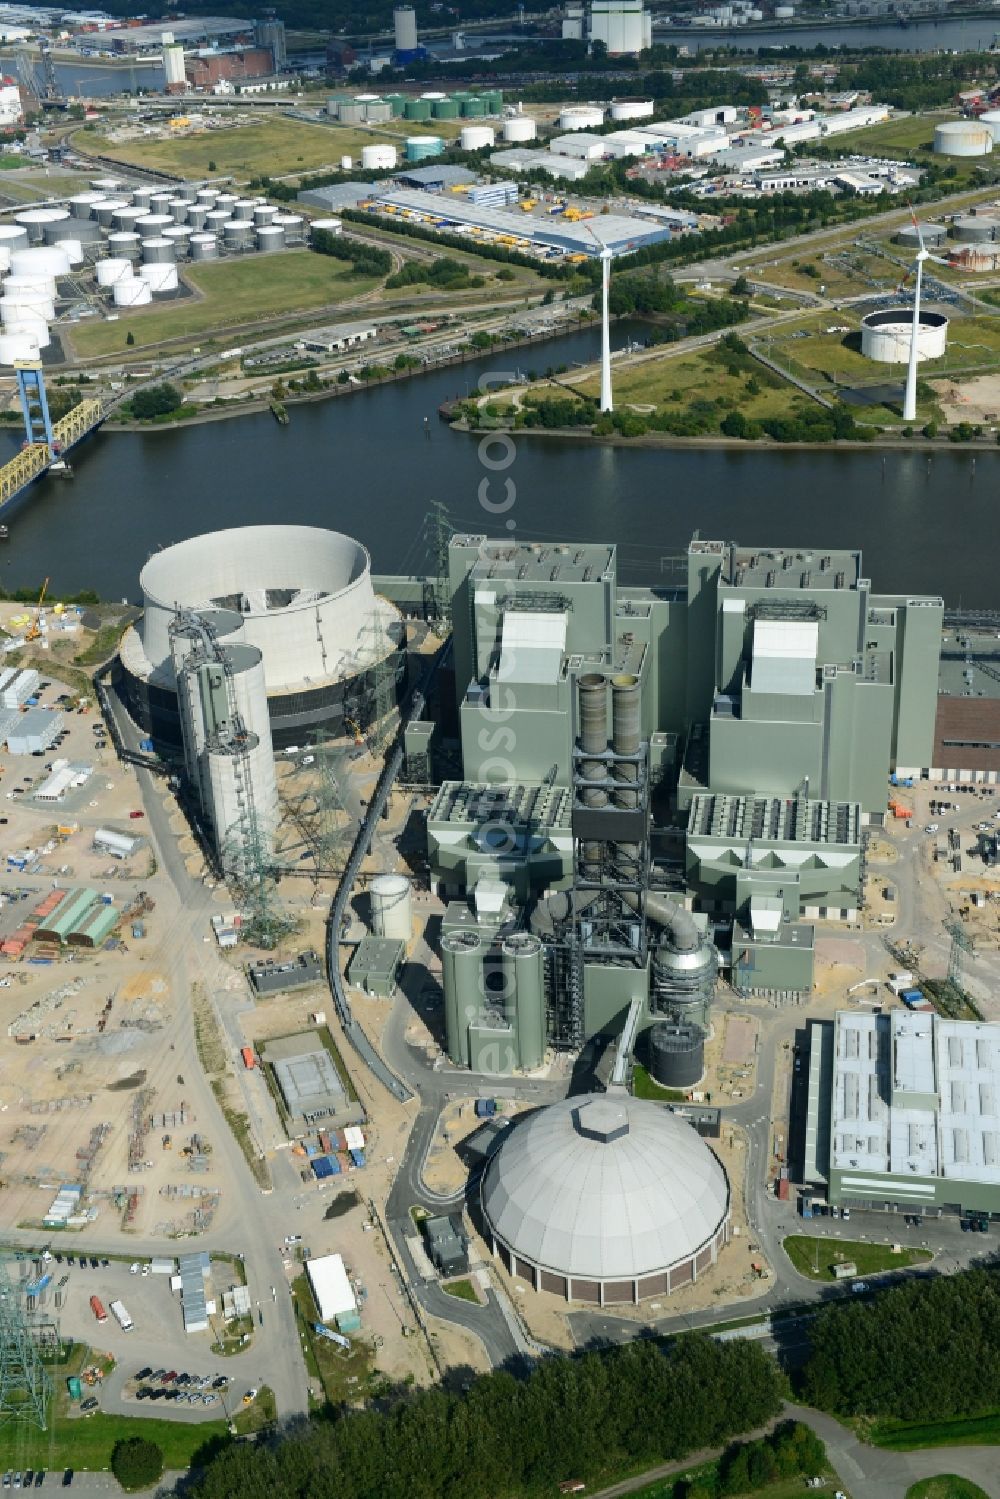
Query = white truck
x=121 y=1316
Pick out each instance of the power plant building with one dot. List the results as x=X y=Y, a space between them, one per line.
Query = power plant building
x=903 y=1112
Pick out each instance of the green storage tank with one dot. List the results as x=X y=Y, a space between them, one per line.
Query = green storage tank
x=396 y=103
x=422 y=147
x=524 y=996
x=495 y=97
x=417 y=109
x=474 y=108
x=446 y=109
x=462 y=981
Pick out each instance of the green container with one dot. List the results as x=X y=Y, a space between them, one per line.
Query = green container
x=75 y=1387
x=417 y=109
x=446 y=109
x=495 y=97
x=396 y=103
x=473 y=108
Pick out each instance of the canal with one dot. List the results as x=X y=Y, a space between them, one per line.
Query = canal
x=370 y=465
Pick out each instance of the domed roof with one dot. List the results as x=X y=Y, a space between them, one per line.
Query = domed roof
x=604 y=1188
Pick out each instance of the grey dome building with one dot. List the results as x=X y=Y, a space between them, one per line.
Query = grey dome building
x=605 y=1199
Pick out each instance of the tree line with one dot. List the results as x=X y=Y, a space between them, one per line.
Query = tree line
x=364 y=259
x=584 y=1418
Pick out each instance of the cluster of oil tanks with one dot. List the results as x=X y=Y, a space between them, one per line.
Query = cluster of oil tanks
x=374 y=109
x=135 y=235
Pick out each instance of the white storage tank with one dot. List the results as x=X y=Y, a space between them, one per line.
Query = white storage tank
x=203 y=247
x=33 y=221
x=581 y=117
x=784 y=12
x=132 y=293
x=477 y=137
x=380 y=158
x=35 y=328
x=82 y=203
x=270 y=237
x=886 y=335
x=158 y=251
x=963 y=138
x=37 y=282
x=14 y=236
x=991 y=119
x=392 y=913
x=124 y=245
x=520 y=128
x=113 y=270
x=632 y=109
x=107 y=184
x=74 y=249
x=17 y=346
x=51 y=260
x=327 y=226
x=23 y=306
x=161 y=279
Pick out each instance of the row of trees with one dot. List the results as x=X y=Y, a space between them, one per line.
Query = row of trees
x=583 y=1418
x=921 y=1350
x=365 y=259
x=791 y=1450
x=445 y=274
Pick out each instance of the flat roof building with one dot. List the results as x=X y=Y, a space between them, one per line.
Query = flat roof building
x=331 y=1287
x=904 y=1111
x=309 y=1082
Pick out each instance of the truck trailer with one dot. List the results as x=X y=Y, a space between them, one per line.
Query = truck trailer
x=121 y=1316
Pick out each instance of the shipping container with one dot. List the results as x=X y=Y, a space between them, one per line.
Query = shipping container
x=485 y=1108
x=249 y=1060
x=358 y=1157
x=97 y=1307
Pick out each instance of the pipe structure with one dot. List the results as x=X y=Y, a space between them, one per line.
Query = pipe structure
x=592 y=692
x=626 y=740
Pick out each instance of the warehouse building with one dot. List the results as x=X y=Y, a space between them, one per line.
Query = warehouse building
x=618 y=231
x=967 y=727
x=375 y=966
x=904 y=1112
x=34 y=731
x=310 y=1085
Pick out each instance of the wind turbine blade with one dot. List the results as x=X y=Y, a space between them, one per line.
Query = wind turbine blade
x=916 y=226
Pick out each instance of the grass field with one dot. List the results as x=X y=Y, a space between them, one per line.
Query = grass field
x=234 y=293
x=681 y=1484
x=903 y=1436
x=643 y=1086
x=669 y=381
x=816 y=1257
x=912 y=140
x=462 y=1290
x=946 y=1486
x=344 y=1376
x=275 y=147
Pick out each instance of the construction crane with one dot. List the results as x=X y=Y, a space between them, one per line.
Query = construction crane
x=34 y=629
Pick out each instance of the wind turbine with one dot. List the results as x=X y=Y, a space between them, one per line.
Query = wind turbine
x=910 y=396
x=607 y=254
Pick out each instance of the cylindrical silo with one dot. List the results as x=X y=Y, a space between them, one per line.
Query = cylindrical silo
x=462 y=981
x=14 y=236
x=243 y=210
x=158 y=251
x=86 y=231
x=131 y=293
x=625 y=736
x=152 y=224
x=180 y=237
x=392 y=913
x=103 y=213
x=82 y=203
x=474 y=107
x=161 y=278
x=38 y=283
x=110 y=271
x=141 y=196
x=676 y=1054
x=445 y=109
x=203 y=247
x=270 y=237
x=417 y=109
x=963 y=138
x=17 y=346
x=197 y=213
x=238 y=767
x=188 y=191
x=378 y=113
x=214 y=220
x=423 y=147
x=178 y=210
x=20 y=304
x=520 y=128
x=380 y=158
x=33 y=221
x=207 y=196
x=126 y=218
x=293 y=224
x=124 y=244
x=160 y=202
x=524 y=972
x=226 y=201
x=263 y=213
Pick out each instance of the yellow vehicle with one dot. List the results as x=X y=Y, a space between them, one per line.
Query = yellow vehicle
x=527 y=205
x=34 y=629
x=577 y=259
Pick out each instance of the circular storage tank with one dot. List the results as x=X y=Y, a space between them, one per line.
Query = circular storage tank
x=632 y=109
x=141 y=196
x=27 y=304
x=434 y=95
x=86 y=231
x=161 y=279
x=178 y=210
x=962 y=138
x=934 y=236
x=351 y=113
x=226 y=201
x=203 y=247
x=189 y=192
x=477 y=137
x=604 y=1199
x=113 y=270
x=445 y=109
x=196 y=216
x=49 y=260
x=293 y=224
x=125 y=245
x=474 y=107
x=270 y=237
x=462 y=982
x=16 y=346
x=35 y=330
x=417 y=109
x=179 y=236
x=423 y=147
x=153 y=223
x=82 y=203
x=379 y=113
x=107 y=184
x=103 y=213
x=243 y=210
x=74 y=249
x=207 y=195
x=676 y=1054
x=13 y=236
x=784 y=12
x=37 y=284
x=346 y=163
x=974 y=231
x=520 y=128
x=132 y=293
x=127 y=218
x=330 y=226
x=158 y=251
x=378 y=158
x=160 y=202
x=392 y=908
x=494 y=101
x=237 y=236
x=991 y=120
x=395 y=103
x=263 y=213
x=215 y=218
x=34 y=220
x=885 y=336
x=581 y=117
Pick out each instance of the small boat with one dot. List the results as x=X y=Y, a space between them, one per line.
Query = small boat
x=4 y=533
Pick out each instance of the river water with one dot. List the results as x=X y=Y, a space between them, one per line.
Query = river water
x=961 y=34
x=367 y=464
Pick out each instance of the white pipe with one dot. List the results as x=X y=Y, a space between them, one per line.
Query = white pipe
x=910 y=398
x=606 y=402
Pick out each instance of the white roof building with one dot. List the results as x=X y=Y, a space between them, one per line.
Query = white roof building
x=331 y=1287
x=604 y=1198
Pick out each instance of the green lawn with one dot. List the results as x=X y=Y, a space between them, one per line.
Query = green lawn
x=87 y=1442
x=234 y=294
x=344 y=1376
x=904 y=1436
x=463 y=1290
x=273 y=147
x=946 y=1486
x=643 y=1086
x=816 y=1257
x=260 y=1413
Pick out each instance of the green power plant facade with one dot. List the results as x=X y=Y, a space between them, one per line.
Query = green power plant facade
x=747 y=714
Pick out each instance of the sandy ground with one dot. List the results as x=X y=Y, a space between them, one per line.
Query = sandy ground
x=976 y=400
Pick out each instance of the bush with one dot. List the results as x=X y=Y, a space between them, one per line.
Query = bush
x=156 y=400
x=136 y=1463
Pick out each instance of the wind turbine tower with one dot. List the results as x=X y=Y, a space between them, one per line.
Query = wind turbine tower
x=910 y=395
x=606 y=402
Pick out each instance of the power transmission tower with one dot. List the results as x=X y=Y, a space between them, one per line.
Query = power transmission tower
x=25 y=1388
x=332 y=830
x=961 y=943
x=439 y=523
x=383 y=670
